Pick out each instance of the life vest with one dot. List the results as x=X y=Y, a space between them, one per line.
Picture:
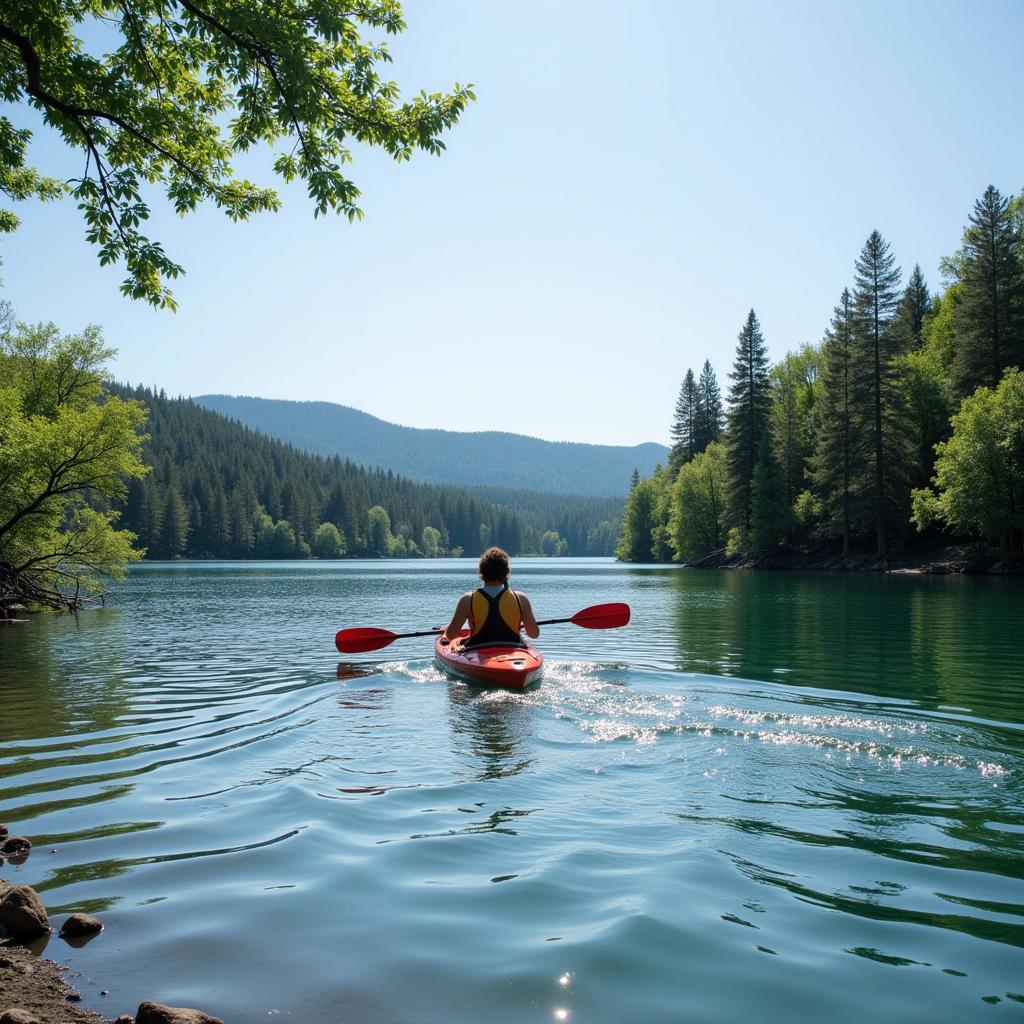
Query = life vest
x=494 y=620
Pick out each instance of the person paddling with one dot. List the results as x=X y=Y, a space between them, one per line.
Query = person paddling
x=496 y=614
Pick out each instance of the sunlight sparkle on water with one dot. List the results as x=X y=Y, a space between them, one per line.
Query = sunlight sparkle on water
x=561 y=1014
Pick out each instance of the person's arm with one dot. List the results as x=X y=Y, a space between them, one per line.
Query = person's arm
x=454 y=627
x=529 y=620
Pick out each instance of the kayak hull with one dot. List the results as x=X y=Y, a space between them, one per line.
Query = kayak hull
x=514 y=668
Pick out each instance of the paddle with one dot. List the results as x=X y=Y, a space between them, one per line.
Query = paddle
x=370 y=638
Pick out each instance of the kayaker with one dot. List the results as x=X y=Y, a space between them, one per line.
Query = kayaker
x=496 y=614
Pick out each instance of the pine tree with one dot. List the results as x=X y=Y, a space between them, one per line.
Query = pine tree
x=875 y=297
x=990 y=314
x=684 y=426
x=711 y=418
x=769 y=510
x=911 y=312
x=839 y=443
x=749 y=404
x=176 y=525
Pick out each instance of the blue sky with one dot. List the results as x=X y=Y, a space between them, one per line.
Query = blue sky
x=633 y=178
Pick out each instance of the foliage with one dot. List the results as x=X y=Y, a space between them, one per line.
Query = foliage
x=188 y=85
x=847 y=431
x=989 y=319
x=697 y=523
x=552 y=546
x=639 y=520
x=329 y=543
x=770 y=512
x=710 y=414
x=880 y=481
x=749 y=406
x=979 y=474
x=793 y=397
x=684 y=426
x=66 y=449
x=839 y=443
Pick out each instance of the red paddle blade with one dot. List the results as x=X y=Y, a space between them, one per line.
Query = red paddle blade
x=602 y=616
x=362 y=639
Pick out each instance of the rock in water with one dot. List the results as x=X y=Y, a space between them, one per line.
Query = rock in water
x=78 y=925
x=22 y=913
x=16 y=846
x=154 y=1013
x=3 y=830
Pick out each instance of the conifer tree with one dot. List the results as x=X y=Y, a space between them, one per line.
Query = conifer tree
x=990 y=314
x=769 y=510
x=711 y=418
x=176 y=525
x=875 y=297
x=912 y=310
x=839 y=442
x=684 y=426
x=749 y=404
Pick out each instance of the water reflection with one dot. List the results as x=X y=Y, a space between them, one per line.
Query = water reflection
x=490 y=727
x=940 y=640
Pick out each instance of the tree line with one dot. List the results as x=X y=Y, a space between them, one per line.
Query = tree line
x=908 y=415
x=217 y=489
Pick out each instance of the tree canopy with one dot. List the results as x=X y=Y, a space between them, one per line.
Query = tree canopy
x=167 y=93
x=66 y=448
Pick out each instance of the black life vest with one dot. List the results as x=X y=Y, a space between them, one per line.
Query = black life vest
x=495 y=620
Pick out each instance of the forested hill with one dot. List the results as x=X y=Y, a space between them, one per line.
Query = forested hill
x=488 y=458
x=218 y=489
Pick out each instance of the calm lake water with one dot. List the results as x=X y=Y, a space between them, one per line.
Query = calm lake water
x=773 y=797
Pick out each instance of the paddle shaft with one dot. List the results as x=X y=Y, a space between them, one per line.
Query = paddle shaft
x=363 y=639
x=437 y=629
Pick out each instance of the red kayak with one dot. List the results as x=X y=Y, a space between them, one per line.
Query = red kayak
x=512 y=667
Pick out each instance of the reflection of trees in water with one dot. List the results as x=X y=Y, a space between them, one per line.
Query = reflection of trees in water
x=919 y=637
x=47 y=693
x=490 y=729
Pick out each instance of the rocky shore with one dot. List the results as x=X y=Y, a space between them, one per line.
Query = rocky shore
x=34 y=990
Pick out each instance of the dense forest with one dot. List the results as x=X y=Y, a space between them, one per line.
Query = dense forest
x=220 y=490
x=485 y=458
x=908 y=416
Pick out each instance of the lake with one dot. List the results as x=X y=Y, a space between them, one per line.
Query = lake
x=772 y=796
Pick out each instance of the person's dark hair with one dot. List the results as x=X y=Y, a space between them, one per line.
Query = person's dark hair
x=494 y=565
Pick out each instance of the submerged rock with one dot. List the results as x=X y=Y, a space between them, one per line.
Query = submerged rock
x=22 y=912
x=3 y=830
x=78 y=925
x=155 y=1013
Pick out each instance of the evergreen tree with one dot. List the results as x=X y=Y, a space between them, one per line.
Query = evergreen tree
x=911 y=312
x=875 y=297
x=684 y=426
x=749 y=404
x=711 y=418
x=769 y=509
x=175 y=525
x=990 y=313
x=839 y=443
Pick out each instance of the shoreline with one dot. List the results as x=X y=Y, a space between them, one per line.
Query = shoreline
x=951 y=560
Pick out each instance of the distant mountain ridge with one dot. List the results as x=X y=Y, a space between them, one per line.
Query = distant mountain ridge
x=479 y=459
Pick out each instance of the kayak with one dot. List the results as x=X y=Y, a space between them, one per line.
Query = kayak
x=512 y=667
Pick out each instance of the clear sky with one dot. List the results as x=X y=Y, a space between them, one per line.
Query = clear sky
x=634 y=177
